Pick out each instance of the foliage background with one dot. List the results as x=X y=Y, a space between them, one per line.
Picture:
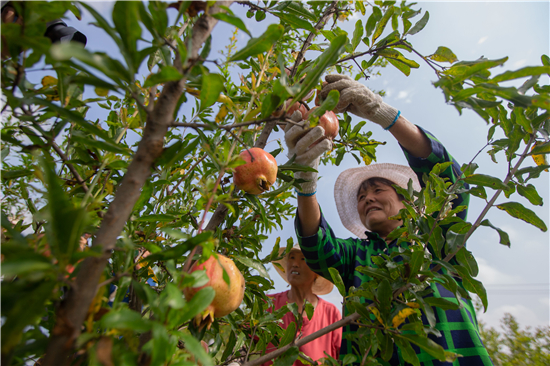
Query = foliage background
x=424 y=115
x=517 y=279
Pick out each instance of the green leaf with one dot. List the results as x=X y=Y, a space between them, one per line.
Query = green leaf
x=420 y=24
x=176 y=152
x=156 y=218
x=31 y=263
x=441 y=303
x=518 y=211
x=125 y=14
x=259 y=45
x=382 y=24
x=289 y=335
x=521 y=73
x=416 y=261
x=325 y=60
x=373 y=20
x=329 y=103
x=504 y=237
x=375 y=272
x=252 y=263
x=530 y=192
x=126 y=319
x=81 y=138
x=466 y=259
x=212 y=86
x=443 y=54
x=288 y=358
x=195 y=348
x=166 y=74
x=485 y=181
x=432 y=348
x=337 y=280
x=197 y=304
x=357 y=34
x=294 y=21
x=541 y=149
x=471 y=284
x=72 y=116
x=12 y=174
x=407 y=352
x=233 y=20
x=67 y=221
x=174 y=296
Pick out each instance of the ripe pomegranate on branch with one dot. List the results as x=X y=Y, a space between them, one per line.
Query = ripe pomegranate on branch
x=228 y=297
x=259 y=172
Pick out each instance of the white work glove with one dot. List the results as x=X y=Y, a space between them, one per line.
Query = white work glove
x=299 y=138
x=359 y=100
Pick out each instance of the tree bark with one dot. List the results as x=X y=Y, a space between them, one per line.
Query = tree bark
x=73 y=309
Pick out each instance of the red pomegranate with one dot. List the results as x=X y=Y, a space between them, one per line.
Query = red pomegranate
x=329 y=122
x=259 y=172
x=228 y=297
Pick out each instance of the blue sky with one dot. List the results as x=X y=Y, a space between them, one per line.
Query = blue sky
x=517 y=278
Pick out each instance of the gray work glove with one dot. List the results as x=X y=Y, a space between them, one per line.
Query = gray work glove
x=299 y=138
x=359 y=100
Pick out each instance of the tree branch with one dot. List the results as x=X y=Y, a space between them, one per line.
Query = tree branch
x=320 y=24
x=339 y=324
x=72 y=311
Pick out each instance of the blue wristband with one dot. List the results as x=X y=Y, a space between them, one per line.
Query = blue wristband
x=395 y=120
x=305 y=194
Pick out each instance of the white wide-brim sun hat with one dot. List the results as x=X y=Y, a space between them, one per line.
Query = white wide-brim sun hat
x=349 y=181
x=321 y=286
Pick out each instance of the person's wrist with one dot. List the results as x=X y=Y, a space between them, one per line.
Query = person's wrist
x=386 y=116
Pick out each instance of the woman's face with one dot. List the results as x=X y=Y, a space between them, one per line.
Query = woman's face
x=298 y=273
x=375 y=205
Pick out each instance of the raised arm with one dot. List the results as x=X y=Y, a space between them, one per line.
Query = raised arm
x=302 y=145
x=358 y=99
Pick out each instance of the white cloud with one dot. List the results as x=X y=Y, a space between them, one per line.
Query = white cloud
x=403 y=94
x=482 y=39
x=520 y=63
x=491 y=276
x=523 y=315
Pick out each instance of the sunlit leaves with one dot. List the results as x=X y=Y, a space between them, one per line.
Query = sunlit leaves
x=504 y=237
x=357 y=34
x=233 y=20
x=420 y=24
x=212 y=86
x=519 y=211
x=382 y=24
x=523 y=72
x=443 y=54
x=326 y=59
x=166 y=74
x=261 y=44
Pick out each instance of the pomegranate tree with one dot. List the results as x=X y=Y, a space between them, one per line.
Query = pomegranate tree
x=228 y=297
x=258 y=174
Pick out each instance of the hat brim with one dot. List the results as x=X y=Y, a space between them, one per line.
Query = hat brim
x=321 y=286
x=349 y=181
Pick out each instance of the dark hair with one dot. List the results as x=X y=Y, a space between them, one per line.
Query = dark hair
x=375 y=181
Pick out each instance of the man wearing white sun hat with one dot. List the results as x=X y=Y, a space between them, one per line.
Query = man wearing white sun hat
x=305 y=285
x=365 y=199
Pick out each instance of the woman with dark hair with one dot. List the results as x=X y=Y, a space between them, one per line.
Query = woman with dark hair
x=366 y=201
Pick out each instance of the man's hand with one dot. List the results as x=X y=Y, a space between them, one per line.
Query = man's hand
x=299 y=139
x=359 y=100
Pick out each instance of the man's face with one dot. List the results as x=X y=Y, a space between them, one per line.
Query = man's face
x=375 y=205
x=298 y=273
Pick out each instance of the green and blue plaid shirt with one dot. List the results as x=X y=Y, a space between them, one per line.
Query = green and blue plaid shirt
x=459 y=329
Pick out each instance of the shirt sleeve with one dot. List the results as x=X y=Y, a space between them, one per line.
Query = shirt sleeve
x=439 y=154
x=324 y=250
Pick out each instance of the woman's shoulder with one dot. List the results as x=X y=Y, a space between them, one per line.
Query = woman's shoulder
x=328 y=306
